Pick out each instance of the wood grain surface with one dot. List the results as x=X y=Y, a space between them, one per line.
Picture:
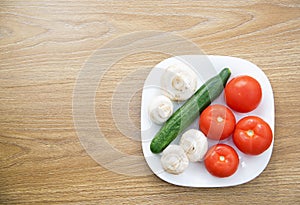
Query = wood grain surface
x=45 y=44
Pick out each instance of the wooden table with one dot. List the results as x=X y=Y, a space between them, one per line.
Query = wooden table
x=44 y=45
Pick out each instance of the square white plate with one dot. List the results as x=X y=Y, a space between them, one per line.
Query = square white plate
x=206 y=67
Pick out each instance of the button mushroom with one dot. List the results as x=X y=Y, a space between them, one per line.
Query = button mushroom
x=174 y=159
x=195 y=144
x=160 y=109
x=179 y=82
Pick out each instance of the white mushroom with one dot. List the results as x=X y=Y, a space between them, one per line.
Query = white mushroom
x=179 y=82
x=174 y=159
x=160 y=109
x=195 y=144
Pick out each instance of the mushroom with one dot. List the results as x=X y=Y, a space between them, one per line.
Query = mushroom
x=174 y=159
x=195 y=144
x=179 y=82
x=160 y=109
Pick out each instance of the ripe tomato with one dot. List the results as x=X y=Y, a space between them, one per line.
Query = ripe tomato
x=243 y=94
x=252 y=135
x=217 y=122
x=221 y=160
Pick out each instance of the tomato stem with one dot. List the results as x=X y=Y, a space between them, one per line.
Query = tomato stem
x=222 y=158
x=250 y=133
x=220 y=119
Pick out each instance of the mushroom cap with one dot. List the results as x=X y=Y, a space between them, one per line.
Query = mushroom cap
x=160 y=109
x=174 y=159
x=179 y=82
x=195 y=144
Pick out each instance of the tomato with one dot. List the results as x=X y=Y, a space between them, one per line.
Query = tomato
x=243 y=94
x=221 y=160
x=252 y=135
x=217 y=122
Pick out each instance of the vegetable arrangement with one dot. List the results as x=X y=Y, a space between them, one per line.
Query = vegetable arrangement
x=186 y=114
x=251 y=135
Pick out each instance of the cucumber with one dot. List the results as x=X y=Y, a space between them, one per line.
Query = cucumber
x=189 y=111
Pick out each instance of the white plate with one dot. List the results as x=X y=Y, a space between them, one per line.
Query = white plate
x=206 y=67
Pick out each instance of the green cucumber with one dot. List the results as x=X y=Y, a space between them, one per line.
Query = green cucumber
x=188 y=112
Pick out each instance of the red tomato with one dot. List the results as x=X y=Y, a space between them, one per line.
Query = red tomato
x=221 y=160
x=252 y=135
x=243 y=94
x=217 y=122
